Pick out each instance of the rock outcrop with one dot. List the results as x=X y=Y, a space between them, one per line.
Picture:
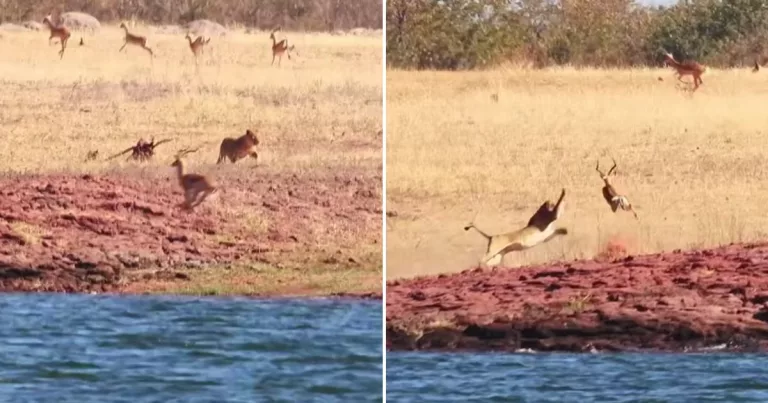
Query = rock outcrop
x=679 y=301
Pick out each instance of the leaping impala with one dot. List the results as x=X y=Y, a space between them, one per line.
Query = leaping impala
x=197 y=45
x=540 y=229
x=196 y=187
x=687 y=67
x=278 y=48
x=135 y=40
x=57 y=31
x=614 y=199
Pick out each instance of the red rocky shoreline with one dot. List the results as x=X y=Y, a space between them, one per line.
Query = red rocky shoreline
x=679 y=301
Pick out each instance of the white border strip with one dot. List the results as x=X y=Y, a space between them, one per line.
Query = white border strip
x=384 y=197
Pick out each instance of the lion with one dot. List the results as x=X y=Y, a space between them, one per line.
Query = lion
x=236 y=149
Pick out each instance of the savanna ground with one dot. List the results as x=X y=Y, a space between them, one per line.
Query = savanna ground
x=304 y=219
x=693 y=166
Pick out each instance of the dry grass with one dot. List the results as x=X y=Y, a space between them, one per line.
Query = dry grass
x=29 y=233
x=320 y=111
x=54 y=111
x=265 y=281
x=694 y=166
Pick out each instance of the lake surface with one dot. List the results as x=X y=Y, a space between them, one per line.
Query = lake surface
x=544 y=377
x=92 y=348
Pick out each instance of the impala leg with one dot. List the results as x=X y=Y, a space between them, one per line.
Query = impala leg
x=273 y=59
x=193 y=199
x=189 y=198
x=695 y=83
x=204 y=195
x=123 y=47
x=200 y=197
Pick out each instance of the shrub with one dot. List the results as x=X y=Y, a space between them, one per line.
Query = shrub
x=464 y=34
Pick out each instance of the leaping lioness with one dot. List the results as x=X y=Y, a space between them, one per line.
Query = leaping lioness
x=540 y=229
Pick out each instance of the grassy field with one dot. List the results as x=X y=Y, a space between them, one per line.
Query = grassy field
x=97 y=98
x=496 y=144
x=318 y=115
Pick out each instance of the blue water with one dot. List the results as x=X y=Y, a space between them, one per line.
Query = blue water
x=83 y=348
x=565 y=378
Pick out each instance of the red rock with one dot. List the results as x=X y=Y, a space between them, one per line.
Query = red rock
x=96 y=230
x=679 y=301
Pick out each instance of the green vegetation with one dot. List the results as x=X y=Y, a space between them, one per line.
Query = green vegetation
x=467 y=34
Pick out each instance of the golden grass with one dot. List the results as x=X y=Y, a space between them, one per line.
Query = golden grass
x=320 y=111
x=54 y=111
x=693 y=166
x=266 y=280
x=29 y=233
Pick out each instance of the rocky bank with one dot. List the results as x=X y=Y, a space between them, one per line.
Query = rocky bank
x=102 y=233
x=679 y=301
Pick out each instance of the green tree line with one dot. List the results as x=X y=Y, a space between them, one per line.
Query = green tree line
x=307 y=15
x=468 y=34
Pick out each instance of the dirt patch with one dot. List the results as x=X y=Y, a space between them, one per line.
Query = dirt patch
x=106 y=233
x=679 y=301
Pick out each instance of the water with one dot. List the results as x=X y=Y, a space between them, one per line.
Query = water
x=89 y=348
x=540 y=377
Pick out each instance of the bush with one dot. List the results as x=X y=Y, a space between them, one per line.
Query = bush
x=80 y=21
x=463 y=34
x=452 y=35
